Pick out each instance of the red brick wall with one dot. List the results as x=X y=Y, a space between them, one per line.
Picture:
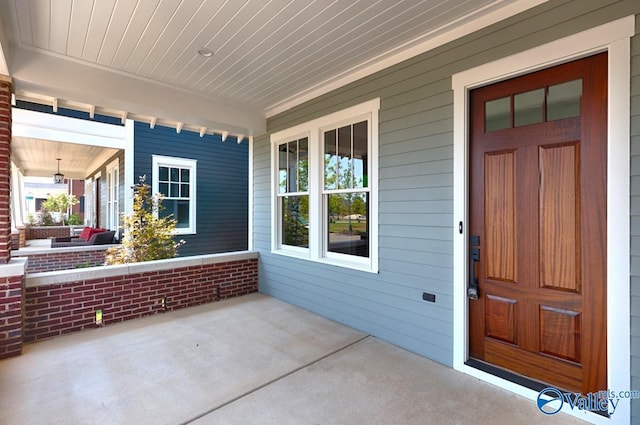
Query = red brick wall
x=45 y=232
x=5 y=170
x=65 y=260
x=11 y=311
x=57 y=309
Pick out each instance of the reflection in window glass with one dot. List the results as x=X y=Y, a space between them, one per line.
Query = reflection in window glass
x=348 y=222
x=178 y=210
x=344 y=158
x=293 y=171
x=303 y=165
x=282 y=168
x=163 y=188
x=563 y=100
x=295 y=220
x=497 y=114
x=330 y=160
x=528 y=108
x=360 y=144
x=163 y=173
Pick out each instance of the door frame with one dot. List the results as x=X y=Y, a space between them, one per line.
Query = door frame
x=614 y=38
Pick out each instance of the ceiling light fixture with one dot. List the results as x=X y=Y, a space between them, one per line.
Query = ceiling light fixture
x=205 y=53
x=58 y=178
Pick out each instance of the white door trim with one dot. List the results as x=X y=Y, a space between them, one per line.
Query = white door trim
x=613 y=37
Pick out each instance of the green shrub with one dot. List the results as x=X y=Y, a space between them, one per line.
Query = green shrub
x=147 y=236
x=74 y=219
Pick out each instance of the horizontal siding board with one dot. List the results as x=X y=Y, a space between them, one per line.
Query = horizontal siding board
x=403 y=159
x=417 y=182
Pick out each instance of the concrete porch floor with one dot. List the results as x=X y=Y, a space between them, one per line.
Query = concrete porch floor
x=248 y=360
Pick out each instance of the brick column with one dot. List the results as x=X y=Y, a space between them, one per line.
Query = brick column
x=12 y=272
x=5 y=169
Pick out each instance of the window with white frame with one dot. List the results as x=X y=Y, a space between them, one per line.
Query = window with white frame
x=175 y=180
x=325 y=188
x=113 y=191
x=293 y=192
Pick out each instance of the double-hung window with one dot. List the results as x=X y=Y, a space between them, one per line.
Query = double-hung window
x=293 y=193
x=175 y=180
x=325 y=189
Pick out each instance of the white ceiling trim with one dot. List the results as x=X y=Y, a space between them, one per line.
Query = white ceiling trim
x=454 y=30
x=36 y=71
x=38 y=125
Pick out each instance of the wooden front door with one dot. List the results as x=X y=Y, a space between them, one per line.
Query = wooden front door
x=538 y=219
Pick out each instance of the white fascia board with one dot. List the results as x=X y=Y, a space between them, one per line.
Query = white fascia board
x=39 y=125
x=52 y=76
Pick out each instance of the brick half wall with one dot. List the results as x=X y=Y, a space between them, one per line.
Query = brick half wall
x=58 y=303
x=53 y=259
x=12 y=296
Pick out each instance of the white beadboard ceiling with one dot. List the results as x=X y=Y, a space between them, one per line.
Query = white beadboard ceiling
x=139 y=58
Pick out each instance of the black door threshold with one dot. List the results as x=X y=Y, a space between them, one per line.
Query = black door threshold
x=507 y=375
x=518 y=379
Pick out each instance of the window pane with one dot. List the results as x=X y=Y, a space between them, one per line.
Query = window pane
x=164 y=188
x=282 y=168
x=360 y=155
x=184 y=175
x=184 y=190
x=295 y=220
x=182 y=214
x=345 y=173
x=293 y=166
x=348 y=223
x=163 y=174
x=303 y=165
x=563 y=100
x=175 y=190
x=330 y=160
x=528 y=108
x=175 y=175
x=497 y=114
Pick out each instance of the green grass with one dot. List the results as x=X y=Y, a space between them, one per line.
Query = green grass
x=343 y=227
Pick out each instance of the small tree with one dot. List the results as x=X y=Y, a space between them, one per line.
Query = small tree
x=60 y=204
x=147 y=235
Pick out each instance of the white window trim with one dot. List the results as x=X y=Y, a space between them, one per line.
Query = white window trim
x=614 y=38
x=168 y=161
x=313 y=130
x=111 y=203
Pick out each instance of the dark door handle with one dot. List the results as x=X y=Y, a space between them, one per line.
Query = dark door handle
x=474 y=257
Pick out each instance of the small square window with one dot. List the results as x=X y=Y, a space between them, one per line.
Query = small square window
x=174 y=179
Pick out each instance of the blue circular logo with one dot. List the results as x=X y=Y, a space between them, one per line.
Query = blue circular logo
x=552 y=403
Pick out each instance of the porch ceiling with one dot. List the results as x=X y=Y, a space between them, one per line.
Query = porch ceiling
x=124 y=57
x=37 y=157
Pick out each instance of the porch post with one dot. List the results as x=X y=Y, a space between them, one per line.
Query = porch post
x=5 y=169
x=12 y=291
